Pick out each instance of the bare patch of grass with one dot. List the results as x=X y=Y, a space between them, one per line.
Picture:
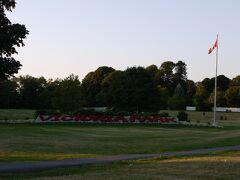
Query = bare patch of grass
x=34 y=156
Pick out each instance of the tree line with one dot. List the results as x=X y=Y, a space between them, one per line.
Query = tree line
x=135 y=89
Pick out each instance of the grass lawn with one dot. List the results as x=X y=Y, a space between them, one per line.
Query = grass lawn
x=16 y=114
x=42 y=142
x=233 y=119
x=59 y=141
x=219 y=166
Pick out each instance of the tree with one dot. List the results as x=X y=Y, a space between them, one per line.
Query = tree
x=232 y=96
x=8 y=94
x=191 y=90
x=163 y=97
x=48 y=92
x=132 y=90
x=235 y=81
x=201 y=98
x=11 y=35
x=91 y=85
x=30 y=89
x=67 y=97
x=164 y=76
x=152 y=69
x=180 y=75
x=177 y=102
x=208 y=84
x=221 y=101
x=112 y=90
x=222 y=83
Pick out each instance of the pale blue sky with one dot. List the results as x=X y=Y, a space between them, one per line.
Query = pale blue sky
x=77 y=36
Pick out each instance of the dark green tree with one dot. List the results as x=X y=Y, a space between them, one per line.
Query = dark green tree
x=132 y=90
x=232 y=96
x=201 y=98
x=111 y=92
x=222 y=83
x=11 y=36
x=208 y=84
x=91 y=85
x=152 y=69
x=30 y=89
x=235 y=81
x=191 y=90
x=48 y=92
x=68 y=97
x=164 y=96
x=221 y=100
x=180 y=75
x=9 y=96
x=177 y=102
x=165 y=75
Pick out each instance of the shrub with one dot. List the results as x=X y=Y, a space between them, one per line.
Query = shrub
x=123 y=113
x=164 y=114
x=176 y=103
x=86 y=112
x=182 y=116
x=46 y=112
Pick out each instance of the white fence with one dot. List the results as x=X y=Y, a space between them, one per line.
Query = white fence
x=227 y=109
x=219 y=109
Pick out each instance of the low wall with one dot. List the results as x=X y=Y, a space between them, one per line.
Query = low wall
x=191 y=108
x=229 y=109
x=107 y=119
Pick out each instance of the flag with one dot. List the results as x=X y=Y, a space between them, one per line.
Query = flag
x=214 y=46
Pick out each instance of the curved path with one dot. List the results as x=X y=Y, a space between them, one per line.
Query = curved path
x=40 y=166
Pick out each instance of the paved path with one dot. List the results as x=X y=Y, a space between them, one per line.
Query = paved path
x=39 y=166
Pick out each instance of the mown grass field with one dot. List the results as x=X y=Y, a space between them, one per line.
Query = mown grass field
x=219 y=166
x=59 y=141
x=42 y=142
x=16 y=114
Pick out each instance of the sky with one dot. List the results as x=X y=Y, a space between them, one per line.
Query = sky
x=78 y=36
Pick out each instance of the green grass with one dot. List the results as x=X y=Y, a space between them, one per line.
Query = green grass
x=42 y=142
x=34 y=142
x=26 y=141
x=233 y=119
x=16 y=114
x=216 y=166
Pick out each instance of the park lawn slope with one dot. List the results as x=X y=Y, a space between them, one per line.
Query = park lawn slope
x=16 y=114
x=215 y=166
x=27 y=142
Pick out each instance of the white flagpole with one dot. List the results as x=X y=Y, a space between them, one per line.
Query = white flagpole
x=215 y=96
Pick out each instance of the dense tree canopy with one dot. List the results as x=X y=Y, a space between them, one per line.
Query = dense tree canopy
x=165 y=74
x=67 y=97
x=91 y=85
x=30 y=89
x=135 y=89
x=232 y=96
x=132 y=90
x=11 y=36
x=180 y=75
x=201 y=98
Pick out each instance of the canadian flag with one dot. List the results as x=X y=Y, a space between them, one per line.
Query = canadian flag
x=214 y=46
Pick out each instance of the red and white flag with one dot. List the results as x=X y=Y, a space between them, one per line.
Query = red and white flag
x=214 y=46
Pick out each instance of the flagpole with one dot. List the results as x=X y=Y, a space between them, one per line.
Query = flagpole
x=215 y=96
